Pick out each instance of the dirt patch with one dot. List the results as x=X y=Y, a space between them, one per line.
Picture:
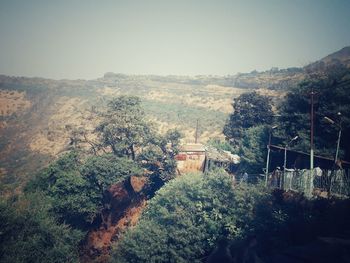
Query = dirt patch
x=138 y=182
x=13 y=102
x=126 y=205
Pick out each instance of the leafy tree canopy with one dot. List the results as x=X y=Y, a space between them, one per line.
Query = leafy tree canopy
x=332 y=96
x=183 y=222
x=123 y=127
x=76 y=190
x=253 y=149
x=249 y=110
x=126 y=131
x=29 y=233
x=103 y=171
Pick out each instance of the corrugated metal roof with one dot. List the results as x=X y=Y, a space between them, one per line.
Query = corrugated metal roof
x=221 y=155
x=192 y=147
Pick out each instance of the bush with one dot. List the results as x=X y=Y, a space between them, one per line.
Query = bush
x=76 y=191
x=30 y=234
x=186 y=218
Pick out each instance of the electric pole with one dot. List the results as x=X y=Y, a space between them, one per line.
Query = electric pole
x=196 y=134
x=311 y=143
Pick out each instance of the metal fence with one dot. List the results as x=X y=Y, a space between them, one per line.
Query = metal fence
x=322 y=182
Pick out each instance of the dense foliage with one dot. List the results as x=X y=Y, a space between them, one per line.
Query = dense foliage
x=29 y=233
x=127 y=133
x=77 y=190
x=332 y=96
x=252 y=149
x=246 y=130
x=124 y=128
x=249 y=110
x=186 y=218
x=191 y=215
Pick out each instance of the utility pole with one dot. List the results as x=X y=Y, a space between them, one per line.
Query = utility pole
x=196 y=134
x=268 y=155
x=283 y=179
x=339 y=136
x=329 y=120
x=311 y=143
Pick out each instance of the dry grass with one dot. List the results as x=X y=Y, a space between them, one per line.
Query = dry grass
x=13 y=102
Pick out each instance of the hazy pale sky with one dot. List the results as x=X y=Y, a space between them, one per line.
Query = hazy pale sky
x=85 y=39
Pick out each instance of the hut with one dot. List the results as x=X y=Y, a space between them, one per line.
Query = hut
x=196 y=157
x=191 y=158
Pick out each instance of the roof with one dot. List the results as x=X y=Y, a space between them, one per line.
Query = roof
x=192 y=147
x=304 y=158
x=211 y=152
x=221 y=155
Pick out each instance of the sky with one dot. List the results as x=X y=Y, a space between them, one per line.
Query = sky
x=85 y=39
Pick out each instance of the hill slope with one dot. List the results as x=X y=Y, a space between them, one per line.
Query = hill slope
x=38 y=116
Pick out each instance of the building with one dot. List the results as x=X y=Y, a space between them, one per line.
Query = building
x=196 y=157
x=191 y=158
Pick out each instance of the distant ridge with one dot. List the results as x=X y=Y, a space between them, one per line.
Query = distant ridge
x=342 y=55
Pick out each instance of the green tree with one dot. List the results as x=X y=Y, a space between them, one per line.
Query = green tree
x=159 y=156
x=123 y=127
x=332 y=95
x=73 y=199
x=249 y=110
x=126 y=131
x=101 y=172
x=253 y=149
x=77 y=191
x=29 y=233
x=183 y=222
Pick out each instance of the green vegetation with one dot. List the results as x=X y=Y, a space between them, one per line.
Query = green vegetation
x=127 y=133
x=124 y=128
x=252 y=149
x=249 y=110
x=187 y=217
x=190 y=215
x=246 y=130
x=223 y=145
x=29 y=233
x=332 y=95
x=76 y=190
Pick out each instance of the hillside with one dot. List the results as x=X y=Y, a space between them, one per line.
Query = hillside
x=342 y=55
x=38 y=116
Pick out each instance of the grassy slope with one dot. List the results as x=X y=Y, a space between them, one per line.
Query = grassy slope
x=34 y=135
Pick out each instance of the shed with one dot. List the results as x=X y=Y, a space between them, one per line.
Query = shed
x=196 y=157
x=191 y=158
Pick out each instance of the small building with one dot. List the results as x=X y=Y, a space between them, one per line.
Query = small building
x=220 y=158
x=191 y=158
x=196 y=157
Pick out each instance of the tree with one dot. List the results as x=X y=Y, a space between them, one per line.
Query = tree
x=186 y=218
x=126 y=131
x=123 y=127
x=103 y=171
x=159 y=156
x=332 y=88
x=249 y=110
x=29 y=232
x=253 y=149
x=77 y=191
x=73 y=199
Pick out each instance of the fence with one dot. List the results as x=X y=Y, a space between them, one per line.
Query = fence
x=322 y=182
